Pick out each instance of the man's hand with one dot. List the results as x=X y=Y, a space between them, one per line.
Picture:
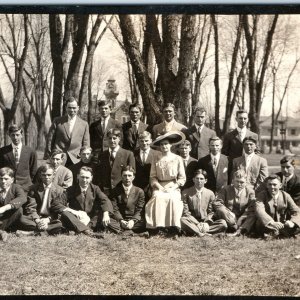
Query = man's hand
x=43 y=223
x=123 y=224
x=106 y=219
x=289 y=224
x=277 y=225
x=5 y=208
x=130 y=224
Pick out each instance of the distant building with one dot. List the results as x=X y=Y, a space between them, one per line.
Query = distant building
x=292 y=133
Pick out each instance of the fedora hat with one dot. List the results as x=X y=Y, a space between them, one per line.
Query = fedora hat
x=174 y=138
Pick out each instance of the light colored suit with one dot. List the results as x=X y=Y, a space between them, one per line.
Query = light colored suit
x=257 y=171
x=60 y=138
x=196 y=210
x=63 y=177
x=160 y=129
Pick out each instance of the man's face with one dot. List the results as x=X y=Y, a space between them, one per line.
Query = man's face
x=47 y=177
x=134 y=114
x=104 y=111
x=168 y=114
x=287 y=169
x=56 y=160
x=239 y=183
x=184 y=151
x=249 y=147
x=72 y=109
x=199 y=181
x=145 y=143
x=273 y=186
x=215 y=147
x=84 y=178
x=86 y=156
x=16 y=137
x=127 y=178
x=242 y=120
x=113 y=141
x=6 y=181
x=200 y=118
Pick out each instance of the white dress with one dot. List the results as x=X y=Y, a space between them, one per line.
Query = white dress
x=164 y=209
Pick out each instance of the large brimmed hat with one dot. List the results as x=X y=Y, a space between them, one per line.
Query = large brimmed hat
x=174 y=137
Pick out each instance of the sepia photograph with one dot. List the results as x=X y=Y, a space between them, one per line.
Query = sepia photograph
x=150 y=151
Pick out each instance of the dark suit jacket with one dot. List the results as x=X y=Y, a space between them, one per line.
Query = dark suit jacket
x=130 y=140
x=191 y=204
x=142 y=174
x=293 y=188
x=60 y=138
x=190 y=169
x=15 y=196
x=215 y=181
x=35 y=201
x=94 y=204
x=232 y=145
x=286 y=209
x=108 y=177
x=127 y=208
x=227 y=197
x=200 y=144
x=99 y=140
x=27 y=167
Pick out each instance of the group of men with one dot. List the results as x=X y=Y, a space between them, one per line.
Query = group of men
x=97 y=178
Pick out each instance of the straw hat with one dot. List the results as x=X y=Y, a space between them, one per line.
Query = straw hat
x=174 y=138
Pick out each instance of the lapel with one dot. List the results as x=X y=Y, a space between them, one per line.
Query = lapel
x=76 y=128
x=99 y=128
x=195 y=133
x=118 y=156
x=10 y=156
x=40 y=194
x=78 y=197
x=237 y=136
x=243 y=199
x=22 y=154
x=66 y=126
x=291 y=182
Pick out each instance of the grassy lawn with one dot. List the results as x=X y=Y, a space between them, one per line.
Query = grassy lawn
x=135 y=266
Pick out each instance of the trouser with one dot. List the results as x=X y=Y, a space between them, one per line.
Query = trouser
x=284 y=232
x=71 y=222
x=139 y=226
x=9 y=219
x=189 y=225
x=27 y=224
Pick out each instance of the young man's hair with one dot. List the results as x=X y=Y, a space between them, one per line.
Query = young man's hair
x=86 y=169
x=7 y=171
x=241 y=111
x=85 y=148
x=71 y=99
x=114 y=131
x=104 y=103
x=200 y=171
x=56 y=152
x=272 y=177
x=14 y=128
x=135 y=105
x=239 y=174
x=145 y=134
x=215 y=138
x=288 y=159
x=128 y=168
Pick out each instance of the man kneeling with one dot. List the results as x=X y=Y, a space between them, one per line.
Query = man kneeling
x=197 y=217
x=277 y=214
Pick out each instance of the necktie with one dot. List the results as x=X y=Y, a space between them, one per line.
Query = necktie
x=215 y=165
x=241 y=136
x=103 y=126
x=185 y=163
x=16 y=155
x=143 y=157
x=199 y=131
x=83 y=193
x=2 y=198
x=275 y=209
x=111 y=158
x=284 y=185
x=135 y=128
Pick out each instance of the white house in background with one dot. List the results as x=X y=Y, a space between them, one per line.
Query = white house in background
x=292 y=133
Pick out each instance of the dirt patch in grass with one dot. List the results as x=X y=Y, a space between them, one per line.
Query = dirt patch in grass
x=137 y=266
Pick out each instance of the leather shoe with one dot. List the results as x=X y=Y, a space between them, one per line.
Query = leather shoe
x=93 y=234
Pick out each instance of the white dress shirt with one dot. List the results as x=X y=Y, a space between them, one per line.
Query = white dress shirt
x=19 y=148
x=46 y=205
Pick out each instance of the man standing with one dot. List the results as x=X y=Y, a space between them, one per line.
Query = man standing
x=256 y=167
x=12 y=197
x=128 y=202
x=197 y=216
x=169 y=123
x=233 y=140
x=99 y=129
x=199 y=134
x=216 y=166
x=68 y=133
x=62 y=176
x=87 y=199
x=277 y=213
x=111 y=162
x=190 y=163
x=143 y=160
x=133 y=128
x=290 y=181
x=20 y=158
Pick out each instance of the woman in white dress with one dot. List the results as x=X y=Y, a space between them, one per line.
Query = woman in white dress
x=167 y=175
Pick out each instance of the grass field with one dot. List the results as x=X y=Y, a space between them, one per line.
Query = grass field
x=134 y=266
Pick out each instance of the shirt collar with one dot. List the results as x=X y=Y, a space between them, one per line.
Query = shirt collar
x=71 y=119
x=199 y=191
x=136 y=123
x=288 y=178
x=115 y=150
x=47 y=186
x=215 y=156
x=15 y=146
x=82 y=189
x=186 y=159
x=147 y=151
x=249 y=155
x=199 y=127
x=169 y=123
x=127 y=188
x=243 y=130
